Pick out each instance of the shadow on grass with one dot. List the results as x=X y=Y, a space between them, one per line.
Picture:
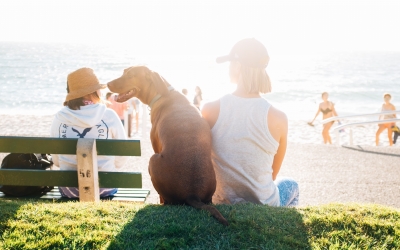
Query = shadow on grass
x=182 y=227
x=8 y=211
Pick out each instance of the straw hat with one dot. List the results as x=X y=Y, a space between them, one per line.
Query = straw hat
x=82 y=82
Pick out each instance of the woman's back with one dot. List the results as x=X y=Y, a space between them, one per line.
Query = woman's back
x=243 y=152
x=249 y=135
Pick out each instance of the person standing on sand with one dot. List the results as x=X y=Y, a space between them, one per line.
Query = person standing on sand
x=119 y=108
x=386 y=106
x=108 y=95
x=197 y=97
x=133 y=113
x=185 y=93
x=84 y=116
x=249 y=135
x=328 y=110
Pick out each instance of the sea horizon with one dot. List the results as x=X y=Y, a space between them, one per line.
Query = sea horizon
x=33 y=76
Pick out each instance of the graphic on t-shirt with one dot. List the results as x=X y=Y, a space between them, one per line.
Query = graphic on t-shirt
x=83 y=133
x=98 y=131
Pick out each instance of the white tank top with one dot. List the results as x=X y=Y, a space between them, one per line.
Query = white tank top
x=243 y=152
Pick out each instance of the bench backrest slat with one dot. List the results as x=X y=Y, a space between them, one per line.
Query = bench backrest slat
x=67 y=178
x=14 y=144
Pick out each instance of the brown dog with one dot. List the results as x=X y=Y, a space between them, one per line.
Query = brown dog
x=181 y=170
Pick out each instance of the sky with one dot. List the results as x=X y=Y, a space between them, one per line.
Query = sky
x=206 y=27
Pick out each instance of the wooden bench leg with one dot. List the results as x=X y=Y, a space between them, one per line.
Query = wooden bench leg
x=88 y=178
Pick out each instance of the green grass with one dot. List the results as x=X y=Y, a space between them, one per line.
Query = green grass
x=113 y=225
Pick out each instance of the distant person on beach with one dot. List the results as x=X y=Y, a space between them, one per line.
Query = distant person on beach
x=328 y=110
x=84 y=116
x=185 y=93
x=396 y=133
x=386 y=106
x=197 y=97
x=133 y=114
x=249 y=135
x=108 y=94
x=119 y=108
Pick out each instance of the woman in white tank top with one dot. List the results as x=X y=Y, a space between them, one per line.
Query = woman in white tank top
x=249 y=135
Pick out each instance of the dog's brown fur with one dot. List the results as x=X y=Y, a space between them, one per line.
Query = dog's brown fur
x=181 y=170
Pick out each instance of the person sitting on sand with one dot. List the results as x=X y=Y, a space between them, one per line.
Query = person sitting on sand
x=84 y=116
x=249 y=135
x=386 y=106
x=328 y=110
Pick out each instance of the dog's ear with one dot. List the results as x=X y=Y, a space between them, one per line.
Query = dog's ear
x=159 y=83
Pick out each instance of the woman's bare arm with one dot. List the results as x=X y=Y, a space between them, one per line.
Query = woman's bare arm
x=210 y=112
x=380 y=116
x=318 y=111
x=334 y=110
x=394 y=108
x=278 y=126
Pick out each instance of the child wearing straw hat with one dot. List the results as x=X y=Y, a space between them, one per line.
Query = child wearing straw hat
x=84 y=116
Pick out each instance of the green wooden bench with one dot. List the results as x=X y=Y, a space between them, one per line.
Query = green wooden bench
x=87 y=177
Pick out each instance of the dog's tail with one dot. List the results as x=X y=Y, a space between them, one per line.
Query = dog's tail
x=195 y=202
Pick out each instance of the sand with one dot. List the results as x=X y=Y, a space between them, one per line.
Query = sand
x=361 y=173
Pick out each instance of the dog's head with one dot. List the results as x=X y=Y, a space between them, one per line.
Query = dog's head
x=140 y=82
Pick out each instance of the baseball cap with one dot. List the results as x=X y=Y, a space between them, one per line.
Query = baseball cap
x=249 y=52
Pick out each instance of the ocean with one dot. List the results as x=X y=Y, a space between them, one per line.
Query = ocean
x=33 y=76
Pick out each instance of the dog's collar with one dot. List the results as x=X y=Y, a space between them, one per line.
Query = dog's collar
x=154 y=100
x=170 y=88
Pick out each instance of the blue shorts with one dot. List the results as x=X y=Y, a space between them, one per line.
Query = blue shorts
x=288 y=191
